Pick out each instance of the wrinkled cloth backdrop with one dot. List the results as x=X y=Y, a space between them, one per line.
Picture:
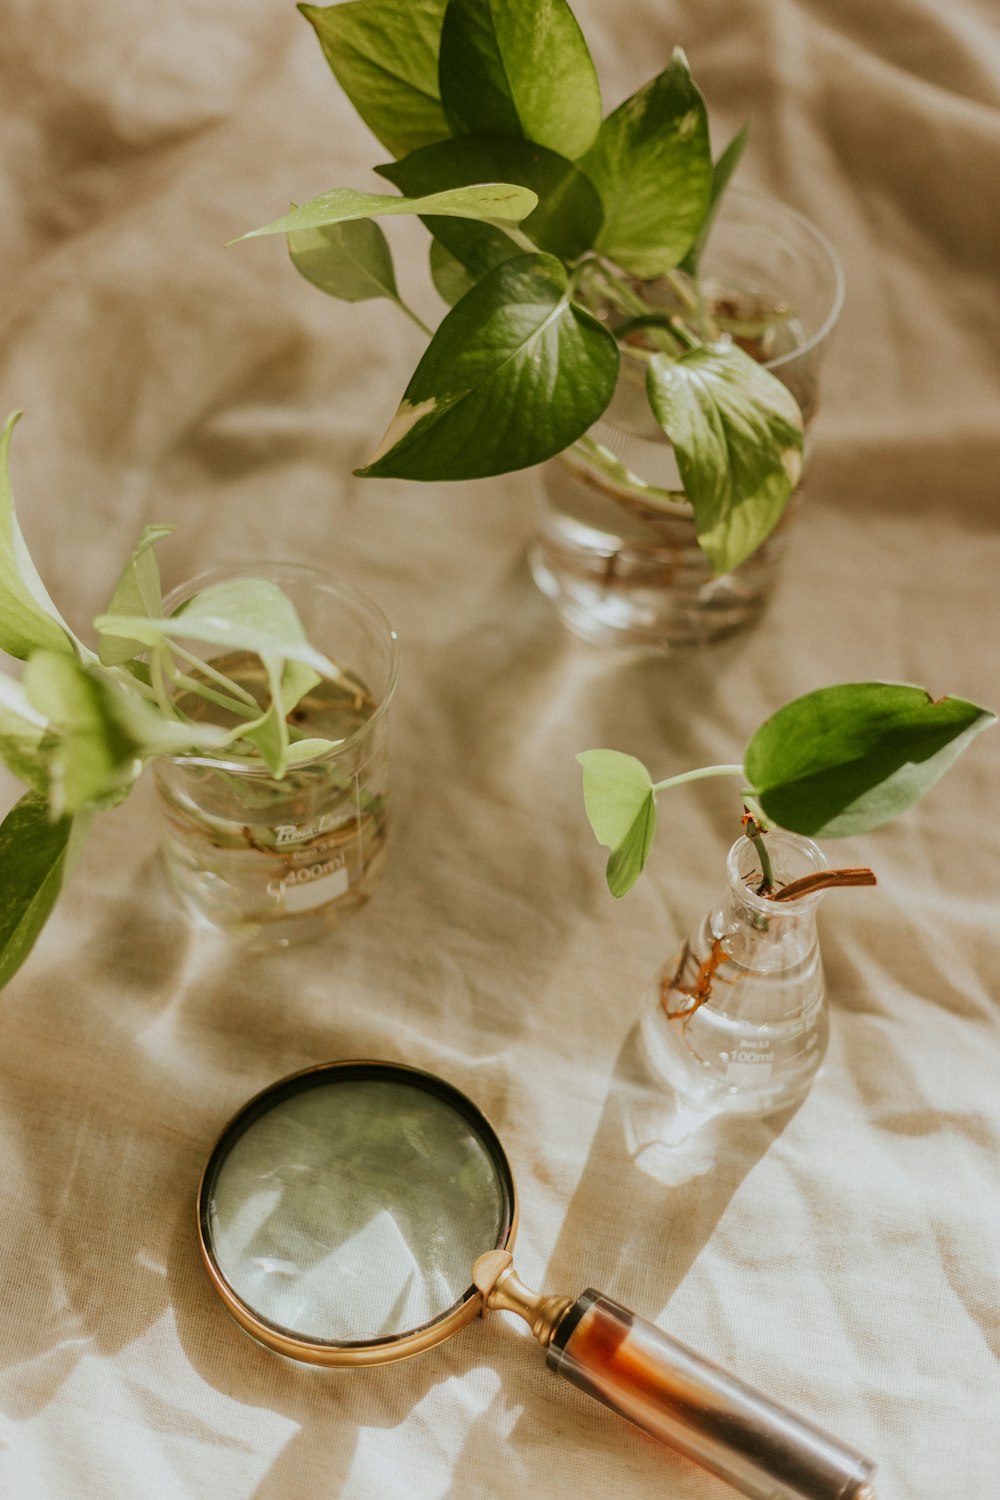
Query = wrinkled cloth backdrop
x=843 y=1259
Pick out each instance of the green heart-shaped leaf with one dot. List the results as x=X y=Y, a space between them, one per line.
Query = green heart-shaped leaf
x=289 y=682
x=29 y=621
x=846 y=759
x=652 y=167
x=621 y=808
x=487 y=200
x=303 y=751
x=737 y=435
x=246 y=614
x=519 y=68
x=351 y=260
x=137 y=592
x=568 y=215
x=384 y=55
x=514 y=374
x=36 y=856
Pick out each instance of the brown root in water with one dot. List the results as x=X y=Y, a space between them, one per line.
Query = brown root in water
x=821 y=880
x=701 y=989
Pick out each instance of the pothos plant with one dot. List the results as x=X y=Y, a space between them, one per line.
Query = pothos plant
x=563 y=242
x=80 y=725
x=838 y=761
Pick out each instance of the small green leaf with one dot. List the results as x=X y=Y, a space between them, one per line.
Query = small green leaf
x=351 y=261
x=29 y=621
x=36 y=856
x=621 y=807
x=721 y=173
x=486 y=200
x=384 y=55
x=737 y=436
x=652 y=167
x=137 y=592
x=297 y=680
x=247 y=614
x=514 y=374
x=846 y=759
x=306 y=750
x=519 y=68
x=289 y=682
x=565 y=223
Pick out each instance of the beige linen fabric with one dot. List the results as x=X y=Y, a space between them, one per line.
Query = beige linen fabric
x=844 y=1259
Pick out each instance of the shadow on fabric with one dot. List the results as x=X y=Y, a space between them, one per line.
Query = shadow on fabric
x=626 y=1225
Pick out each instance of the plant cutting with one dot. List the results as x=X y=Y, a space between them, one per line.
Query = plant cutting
x=736 y=1021
x=568 y=248
x=227 y=684
x=839 y=761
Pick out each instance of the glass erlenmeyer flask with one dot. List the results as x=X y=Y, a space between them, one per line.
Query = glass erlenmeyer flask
x=736 y=1021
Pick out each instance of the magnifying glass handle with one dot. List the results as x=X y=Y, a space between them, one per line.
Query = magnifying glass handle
x=759 y=1447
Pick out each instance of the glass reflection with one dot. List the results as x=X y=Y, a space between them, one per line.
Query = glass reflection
x=354 y=1209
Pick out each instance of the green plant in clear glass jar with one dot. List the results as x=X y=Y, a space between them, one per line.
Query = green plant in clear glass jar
x=569 y=248
x=736 y=1021
x=269 y=753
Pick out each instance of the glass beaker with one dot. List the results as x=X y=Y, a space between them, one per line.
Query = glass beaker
x=278 y=860
x=615 y=550
x=736 y=1023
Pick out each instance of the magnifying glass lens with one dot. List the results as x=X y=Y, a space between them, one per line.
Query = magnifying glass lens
x=344 y=1208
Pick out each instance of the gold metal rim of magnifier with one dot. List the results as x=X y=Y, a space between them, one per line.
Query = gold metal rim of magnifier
x=345 y=1353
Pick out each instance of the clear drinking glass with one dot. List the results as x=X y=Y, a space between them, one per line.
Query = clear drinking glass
x=736 y=1022
x=616 y=553
x=278 y=860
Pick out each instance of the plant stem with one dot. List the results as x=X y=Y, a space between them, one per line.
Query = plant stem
x=627 y=489
x=609 y=287
x=756 y=834
x=683 y=335
x=627 y=299
x=686 y=293
x=699 y=775
x=753 y=806
x=227 y=684
x=128 y=681
x=221 y=700
x=156 y=666
x=414 y=318
x=690 y=296
x=644 y=320
x=513 y=233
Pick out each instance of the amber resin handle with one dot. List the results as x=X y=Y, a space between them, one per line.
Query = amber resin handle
x=757 y=1446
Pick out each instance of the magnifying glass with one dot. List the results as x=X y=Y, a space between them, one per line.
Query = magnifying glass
x=359 y=1212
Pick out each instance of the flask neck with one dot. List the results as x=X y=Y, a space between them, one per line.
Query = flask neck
x=757 y=932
